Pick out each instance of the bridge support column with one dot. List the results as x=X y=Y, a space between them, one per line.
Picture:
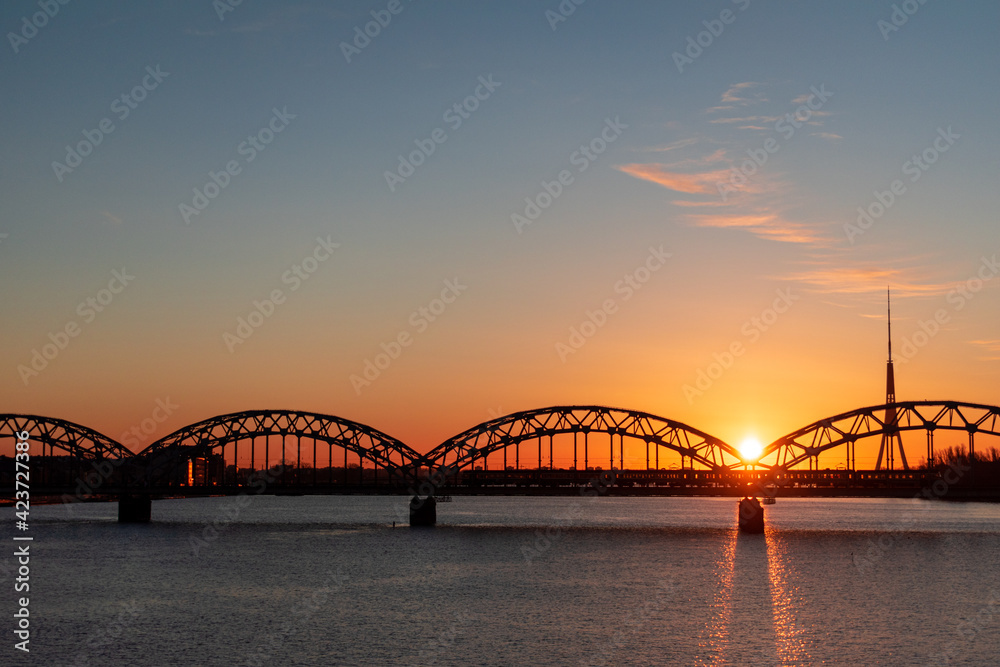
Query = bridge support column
x=423 y=512
x=751 y=515
x=134 y=508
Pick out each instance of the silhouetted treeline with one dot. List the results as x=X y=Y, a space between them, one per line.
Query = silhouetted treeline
x=959 y=456
x=979 y=471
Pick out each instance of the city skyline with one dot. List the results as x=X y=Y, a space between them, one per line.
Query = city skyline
x=690 y=211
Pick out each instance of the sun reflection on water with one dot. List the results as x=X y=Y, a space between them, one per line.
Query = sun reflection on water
x=715 y=638
x=790 y=638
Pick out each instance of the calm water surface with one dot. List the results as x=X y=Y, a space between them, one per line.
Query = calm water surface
x=503 y=581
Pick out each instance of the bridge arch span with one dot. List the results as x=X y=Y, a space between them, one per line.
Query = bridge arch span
x=477 y=443
x=847 y=428
x=72 y=438
x=63 y=453
x=212 y=436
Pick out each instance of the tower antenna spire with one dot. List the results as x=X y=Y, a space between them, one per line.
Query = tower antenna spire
x=891 y=441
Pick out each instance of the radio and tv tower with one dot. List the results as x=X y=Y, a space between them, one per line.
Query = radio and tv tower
x=890 y=439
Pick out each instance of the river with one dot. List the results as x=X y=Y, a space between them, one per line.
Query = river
x=328 y=580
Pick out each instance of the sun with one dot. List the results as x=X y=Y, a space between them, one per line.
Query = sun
x=750 y=448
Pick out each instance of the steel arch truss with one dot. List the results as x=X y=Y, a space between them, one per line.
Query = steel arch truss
x=479 y=441
x=849 y=427
x=78 y=441
x=202 y=438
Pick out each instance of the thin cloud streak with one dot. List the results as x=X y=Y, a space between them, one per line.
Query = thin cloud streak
x=703 y=183
x=990 y=347
x=856 y=280
x=766 y=225
x=758 y=205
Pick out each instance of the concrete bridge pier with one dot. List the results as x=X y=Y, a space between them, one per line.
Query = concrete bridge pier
x=134 y=508
x=751 y=515
x=423 y=512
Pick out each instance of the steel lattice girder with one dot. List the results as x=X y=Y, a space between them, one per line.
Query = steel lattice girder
x=861 y=423
x=201 y=438
x=490 y=436
x=80 y=441
x=493 y=435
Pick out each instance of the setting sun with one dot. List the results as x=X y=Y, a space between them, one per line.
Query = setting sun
x=751 y=449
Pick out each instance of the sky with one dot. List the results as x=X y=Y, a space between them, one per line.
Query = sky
x=692 y=209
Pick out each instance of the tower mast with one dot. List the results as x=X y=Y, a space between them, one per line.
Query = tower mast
x=891 y=439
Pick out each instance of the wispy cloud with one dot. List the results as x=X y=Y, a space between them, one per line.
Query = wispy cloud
x=712 y=203
x=829 y=136
x=747 y=119
x=740 y=94
x=699 y=183
x=840 y=273
x=114 y=219
x=753 y=213
x=770 y=225
x=757 y=204
x=680 y=143
x=990 y=348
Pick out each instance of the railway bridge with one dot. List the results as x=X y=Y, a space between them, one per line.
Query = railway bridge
x=542 y=451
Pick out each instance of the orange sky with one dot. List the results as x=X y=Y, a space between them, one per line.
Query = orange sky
x=590 y=225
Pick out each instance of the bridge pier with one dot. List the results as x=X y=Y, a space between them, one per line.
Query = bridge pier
x=134 y=508
x=751 y=515
x=423 y=512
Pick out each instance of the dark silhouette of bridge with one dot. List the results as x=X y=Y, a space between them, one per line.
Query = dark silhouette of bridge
x=292 y=452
